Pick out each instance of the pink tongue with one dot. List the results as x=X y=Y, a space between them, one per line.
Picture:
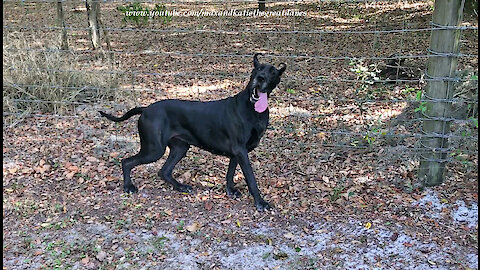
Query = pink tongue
x=262 y=104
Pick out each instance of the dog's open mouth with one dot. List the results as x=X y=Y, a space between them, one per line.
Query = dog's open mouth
x=255 y=96
x=261 y=100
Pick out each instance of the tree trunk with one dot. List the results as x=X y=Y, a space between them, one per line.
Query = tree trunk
x=61 y=23
x=93 y=12
x=107 y=39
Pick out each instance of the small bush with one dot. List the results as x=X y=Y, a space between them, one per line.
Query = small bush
x=36 y=81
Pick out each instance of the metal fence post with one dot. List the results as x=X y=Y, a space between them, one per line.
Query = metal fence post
x=440 y=76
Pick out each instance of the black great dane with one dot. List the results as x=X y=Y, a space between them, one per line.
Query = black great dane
x=230 y=127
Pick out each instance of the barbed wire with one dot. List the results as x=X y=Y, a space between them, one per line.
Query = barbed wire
x=207 y=1
x=297 y=130
x=310 y=116
x=232 y=75
x=296 y=98
x=250 y=31
x=180 y=1
x=185 y=54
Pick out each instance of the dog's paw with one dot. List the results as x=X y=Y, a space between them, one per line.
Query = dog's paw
x=262 y=205
x=130 y=189
x=233 y=192
x=184 y=188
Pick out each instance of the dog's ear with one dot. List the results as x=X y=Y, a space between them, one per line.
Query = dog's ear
x=255 y=60
x=283 y=66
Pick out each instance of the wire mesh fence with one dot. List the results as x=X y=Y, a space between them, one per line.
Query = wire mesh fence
x=355 y=78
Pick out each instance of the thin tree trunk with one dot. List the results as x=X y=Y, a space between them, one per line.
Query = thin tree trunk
x=61 y=23
x=105 y=35
x=93 y=12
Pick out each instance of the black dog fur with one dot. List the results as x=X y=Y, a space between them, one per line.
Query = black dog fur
x=229 y=127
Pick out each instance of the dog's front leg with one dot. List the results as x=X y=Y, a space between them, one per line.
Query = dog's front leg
x=231 y=190
x=242 y=159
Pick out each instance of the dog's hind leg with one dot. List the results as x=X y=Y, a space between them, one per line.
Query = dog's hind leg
x=231 y=190
x=178 y=149
x=143 y=157
x=151 y=150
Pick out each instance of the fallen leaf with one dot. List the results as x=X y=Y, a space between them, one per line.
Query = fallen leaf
x=73 y=168
x=192 y=227
x=394 y=236
x=208 y=205
x=70 y=175
x=92 y=159
x=101 y=255
x=368 y=225
x=289 y=235
x=186 y=176
x=85 y=260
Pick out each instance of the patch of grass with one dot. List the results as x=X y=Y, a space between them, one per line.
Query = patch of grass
x=52 y=245
x=25 y=208
x=119 y=224
x=28 y=243
x=369 y=139
x=180 y=225
x=61 y=225
x=42 y=81
x=336 y=193
x=159 y=242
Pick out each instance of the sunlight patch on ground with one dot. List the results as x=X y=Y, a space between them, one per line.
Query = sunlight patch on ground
x=289 y=111
x=188 y=91
x=385 y=114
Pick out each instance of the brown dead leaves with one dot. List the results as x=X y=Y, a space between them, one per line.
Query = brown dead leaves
x=42 y=167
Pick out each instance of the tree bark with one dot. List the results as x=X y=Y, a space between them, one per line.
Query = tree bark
x=61 y=23
x=93 y=12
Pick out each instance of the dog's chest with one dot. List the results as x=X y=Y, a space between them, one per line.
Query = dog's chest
x=256 y=133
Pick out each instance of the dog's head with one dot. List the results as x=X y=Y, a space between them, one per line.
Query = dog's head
x=264 y=77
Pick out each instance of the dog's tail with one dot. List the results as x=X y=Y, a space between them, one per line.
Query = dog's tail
x=132 y=112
